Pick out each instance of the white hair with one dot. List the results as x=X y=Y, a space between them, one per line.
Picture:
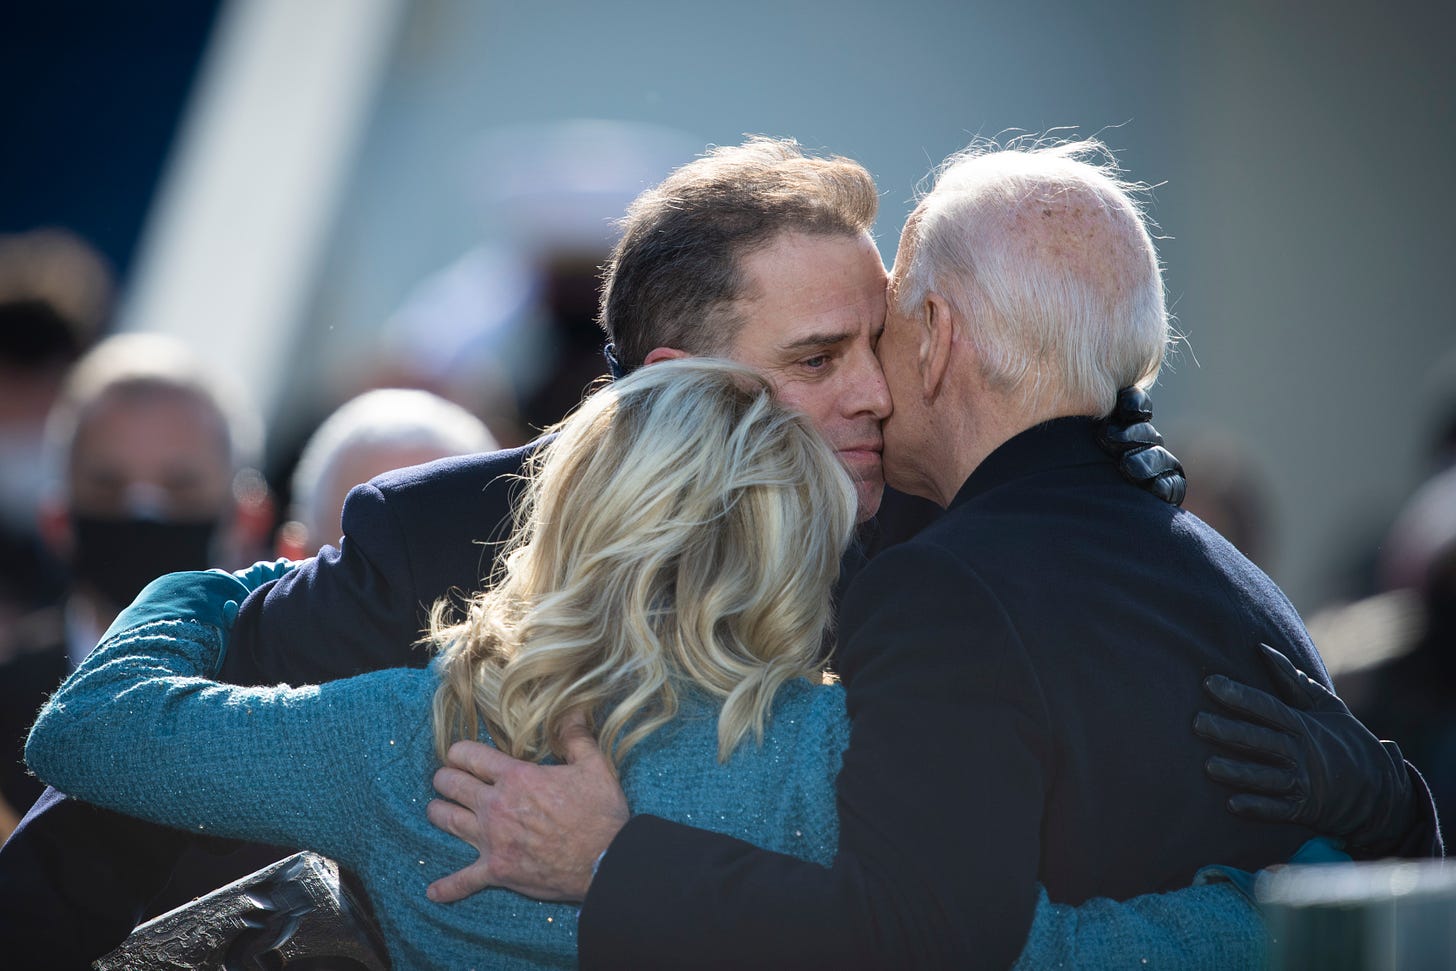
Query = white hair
x=386 y=420
x=1044 y=254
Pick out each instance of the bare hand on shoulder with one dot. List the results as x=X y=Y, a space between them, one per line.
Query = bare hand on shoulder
x=539 y=829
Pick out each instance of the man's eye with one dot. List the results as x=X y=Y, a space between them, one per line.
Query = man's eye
x=816 y=362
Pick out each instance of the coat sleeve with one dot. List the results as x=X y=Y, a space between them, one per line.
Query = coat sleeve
x=139 y=728
x=940 y=800
x=1201 y=928
x=76 y=878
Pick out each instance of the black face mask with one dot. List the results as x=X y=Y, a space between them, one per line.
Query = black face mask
x=120 y=556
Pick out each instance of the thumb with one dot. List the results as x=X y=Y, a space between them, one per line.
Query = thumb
x=1316 y=696
x=577 y=742
x=460 y=884
x=1294 y=686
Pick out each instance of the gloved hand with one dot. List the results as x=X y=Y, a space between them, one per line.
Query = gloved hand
x=1128 y=435
x=1306 y=759
x=263 y=572
x=206 y=596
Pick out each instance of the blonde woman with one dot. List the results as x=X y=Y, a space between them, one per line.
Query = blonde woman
x=669 y=579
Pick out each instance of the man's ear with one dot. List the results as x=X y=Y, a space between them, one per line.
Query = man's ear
x=664 y=354
x=937 y=333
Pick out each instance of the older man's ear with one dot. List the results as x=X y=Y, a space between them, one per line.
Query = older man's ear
x=937 y=335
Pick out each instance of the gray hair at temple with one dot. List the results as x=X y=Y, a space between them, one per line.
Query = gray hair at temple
x=1043 y=252
x=380 y=430
x=675 y=275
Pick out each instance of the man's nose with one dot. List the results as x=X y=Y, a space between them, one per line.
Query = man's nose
x=870 y=394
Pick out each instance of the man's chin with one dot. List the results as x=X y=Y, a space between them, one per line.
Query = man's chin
x=869 y=496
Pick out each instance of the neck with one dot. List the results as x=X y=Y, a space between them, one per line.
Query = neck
x=980 y=425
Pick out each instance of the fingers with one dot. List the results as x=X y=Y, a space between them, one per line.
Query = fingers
x=1287 y=678
x=1296 y=687
x=1265 y=808
x=1251 y=703
x=483 y=761
x=461 y=787
x=1254 y=776
x=460 y=884
x=1242 y=736
x=458 y=821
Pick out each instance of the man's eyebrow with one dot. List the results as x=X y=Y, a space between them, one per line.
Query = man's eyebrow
x=819 y=340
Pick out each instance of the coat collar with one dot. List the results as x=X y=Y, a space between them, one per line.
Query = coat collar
x=1059 y=443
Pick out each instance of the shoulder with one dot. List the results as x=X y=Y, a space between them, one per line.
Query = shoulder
x=819 y=706
x=462 y=473
x=454 y=501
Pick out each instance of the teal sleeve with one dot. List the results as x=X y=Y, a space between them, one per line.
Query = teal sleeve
x=138 y=728
x=1213 y=927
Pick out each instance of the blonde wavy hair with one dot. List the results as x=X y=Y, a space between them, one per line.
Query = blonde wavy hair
x=681 y=529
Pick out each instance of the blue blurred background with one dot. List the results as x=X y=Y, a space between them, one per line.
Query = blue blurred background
x=337 y=193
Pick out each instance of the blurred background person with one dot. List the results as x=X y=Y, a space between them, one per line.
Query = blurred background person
x=380 y=430
x=55 y=297
x=150 y=471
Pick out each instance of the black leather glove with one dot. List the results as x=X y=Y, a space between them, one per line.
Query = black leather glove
x=1307 y=761
x=1128 y=435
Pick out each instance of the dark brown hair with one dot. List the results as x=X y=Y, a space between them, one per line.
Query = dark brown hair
x=675 y=274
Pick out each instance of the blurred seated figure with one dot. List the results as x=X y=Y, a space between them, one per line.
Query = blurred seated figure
x=668 y=585
x=143 y=451
x=380 y=430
